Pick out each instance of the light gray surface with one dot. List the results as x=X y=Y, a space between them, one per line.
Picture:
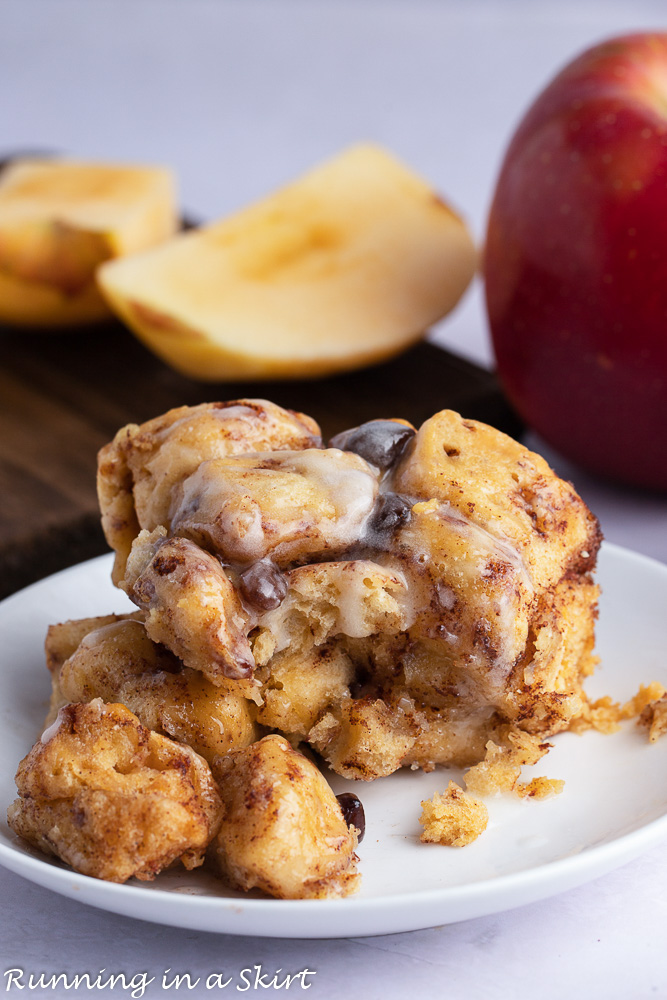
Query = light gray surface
x=239 y=97
x=603 y=941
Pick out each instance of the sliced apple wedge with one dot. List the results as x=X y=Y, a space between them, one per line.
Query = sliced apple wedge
x=348 y=265
x=59 y=220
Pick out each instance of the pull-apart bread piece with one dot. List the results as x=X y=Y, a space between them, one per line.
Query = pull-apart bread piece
x=112 y=658
x=399 y=597
x=284 y=831
x=143 y=468
x=113 y=799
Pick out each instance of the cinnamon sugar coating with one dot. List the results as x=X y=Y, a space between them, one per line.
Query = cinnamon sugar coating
x=284 y=831
x=117 y=662
x=113 y=799
x=139 y=471
x=390 y=615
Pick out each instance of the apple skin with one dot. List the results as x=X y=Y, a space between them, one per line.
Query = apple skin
x=575 y=262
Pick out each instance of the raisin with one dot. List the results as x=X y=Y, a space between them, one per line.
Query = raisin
x=380 y=442
x=353 y=812
x=392 y=511
x=263 y=585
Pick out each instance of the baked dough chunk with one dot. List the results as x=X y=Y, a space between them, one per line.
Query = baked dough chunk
x=63 y=639
x=284 y=831
x=117 y=662
x=139 y=471
x=111 y=798
x=398 y=598
x=453 y=818
x=507 y=550
x=191 y=605
x=290 y=506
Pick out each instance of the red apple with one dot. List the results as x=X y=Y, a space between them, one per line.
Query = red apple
x=576 y=262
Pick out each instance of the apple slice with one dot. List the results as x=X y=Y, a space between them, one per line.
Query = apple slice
x=346 y=266
x=59 y=220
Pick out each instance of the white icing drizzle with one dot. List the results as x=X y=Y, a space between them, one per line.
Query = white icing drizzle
x=216 y=504
x=51 y=730
x=239 y=411
x=98 y=709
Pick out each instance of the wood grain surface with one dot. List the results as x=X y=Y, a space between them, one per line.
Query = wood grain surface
x=64 y=395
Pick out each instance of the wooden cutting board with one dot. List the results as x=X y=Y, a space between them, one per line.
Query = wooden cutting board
x=64 y=395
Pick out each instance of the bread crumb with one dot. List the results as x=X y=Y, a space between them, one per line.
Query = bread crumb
x=654 y=717
x=540 y=788
x=646 y=695
x=602 y=715
x=605 y=715
x=501 y=768
x=453 y=818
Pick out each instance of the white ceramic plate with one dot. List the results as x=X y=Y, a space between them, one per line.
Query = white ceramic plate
x=614 y=805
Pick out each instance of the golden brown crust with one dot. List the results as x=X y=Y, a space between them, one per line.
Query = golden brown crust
x=64 y=638
x=284 y=831
x=140 y=468
x=501 y=768
x=654 y=718
x=191 y=605
x=499 y=486
x=111 y=798
x=399 y=598
x=119 y=663
x=606 y=715
x=540 y=788
x=447 y=596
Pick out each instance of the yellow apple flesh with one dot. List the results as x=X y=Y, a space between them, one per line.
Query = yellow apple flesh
x=348 y=265
x=59 y=220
